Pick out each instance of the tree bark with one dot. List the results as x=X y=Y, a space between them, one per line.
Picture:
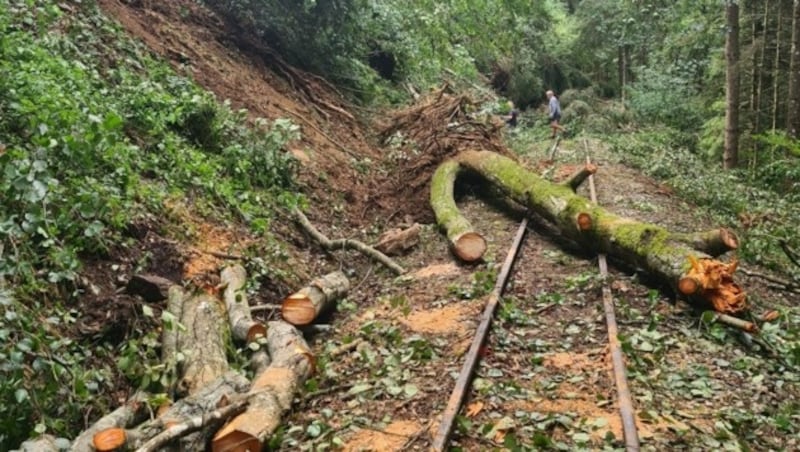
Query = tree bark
x=243 y=327
x=661 y=253
x=793 y=112
x=465 y=243
x=271 y=393
x=203 y=342
x=397 y=241
x=132 y=412
x=206 y=400
x=731 y=152
x=303 y=306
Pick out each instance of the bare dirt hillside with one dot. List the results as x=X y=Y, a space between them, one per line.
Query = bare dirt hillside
x=386 y=366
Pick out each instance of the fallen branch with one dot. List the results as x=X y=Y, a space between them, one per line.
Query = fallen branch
x=192 y=425
x=332 y=245
x=781 y=284
x=204 y=401
x=132 y=412
x=303 y=306
x=793 y=256
x=656 y=250
x=243 y=327
x=397 y=241
x=744 y=325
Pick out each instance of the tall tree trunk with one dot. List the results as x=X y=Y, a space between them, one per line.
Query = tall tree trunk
x=777 y=66
x=731 y=153
x=622 y=70
x=793 y=112
x=761 y=67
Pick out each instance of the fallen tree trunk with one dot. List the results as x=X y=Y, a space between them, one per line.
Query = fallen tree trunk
x=243 y=327
x=271 y=393
x=203 y=342
x=661 y=253
x=303 y=306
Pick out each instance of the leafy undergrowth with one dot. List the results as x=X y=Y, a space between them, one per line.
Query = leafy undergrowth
x=97 y=139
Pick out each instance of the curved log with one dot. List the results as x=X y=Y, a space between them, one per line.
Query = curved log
x=465 y=243
x=661 y=253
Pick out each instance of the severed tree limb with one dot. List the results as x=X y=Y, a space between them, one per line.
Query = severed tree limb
x=744 y=325
x=193 y=424
x=465 y=243
x=575 y=180
x=150 y=287
x=715 y=242
x=332 y=245
x=132 y=412
x=206 y=400
x=272 y=392
x=303 y=306
x=243 y=327
x=396 y=241
x=169 y=335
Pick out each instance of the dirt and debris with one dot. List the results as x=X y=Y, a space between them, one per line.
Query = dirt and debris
x=544 y=371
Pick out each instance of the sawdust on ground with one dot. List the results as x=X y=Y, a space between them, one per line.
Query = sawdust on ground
x=393 y=438
x=446 y=320
x=448 y=269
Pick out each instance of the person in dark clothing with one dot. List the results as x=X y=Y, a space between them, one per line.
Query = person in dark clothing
x=554 y=115
x=513 y=115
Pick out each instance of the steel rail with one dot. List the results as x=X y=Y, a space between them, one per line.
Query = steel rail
x=465 y=376
x=620 y=377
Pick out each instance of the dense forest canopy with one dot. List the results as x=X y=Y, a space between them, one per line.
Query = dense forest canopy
x=98 y=138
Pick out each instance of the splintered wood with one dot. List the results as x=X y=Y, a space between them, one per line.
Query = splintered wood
x=714 y=281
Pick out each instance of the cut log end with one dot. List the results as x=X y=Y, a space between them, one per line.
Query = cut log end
x=298 y=309
x=729 y=238
x=235 y=441
x=256 y=330
x=688 y=285
x=469 y=247
x=109 y=439
x=584 y=221
x=712 y=281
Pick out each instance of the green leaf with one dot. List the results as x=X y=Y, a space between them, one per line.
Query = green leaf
x=21 y=395
x=147 y=311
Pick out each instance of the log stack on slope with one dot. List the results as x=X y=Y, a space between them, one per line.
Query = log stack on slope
x=208 y=393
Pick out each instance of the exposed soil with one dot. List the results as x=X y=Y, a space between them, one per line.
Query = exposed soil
x=545 y=370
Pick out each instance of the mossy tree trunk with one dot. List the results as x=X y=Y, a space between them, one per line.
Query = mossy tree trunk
x=663 y=254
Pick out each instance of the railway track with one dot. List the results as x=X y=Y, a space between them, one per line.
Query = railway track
x=460 y=392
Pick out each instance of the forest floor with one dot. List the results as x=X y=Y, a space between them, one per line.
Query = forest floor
x=545 y=378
